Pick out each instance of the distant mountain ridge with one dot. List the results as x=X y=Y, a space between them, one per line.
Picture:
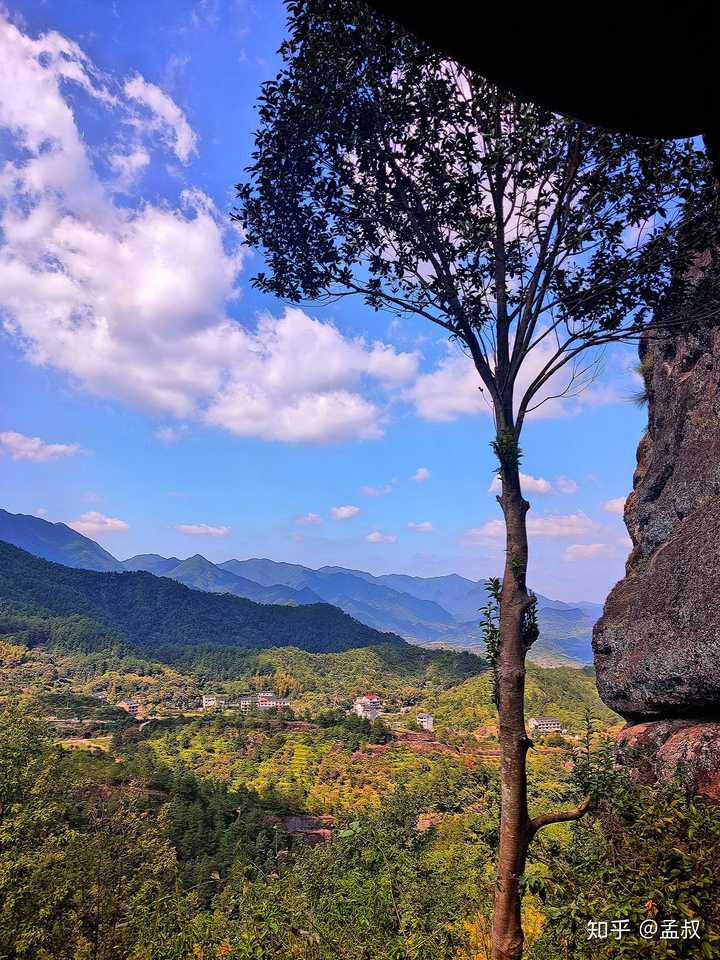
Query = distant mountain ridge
x=433 y=611
x=55 y=541
x=200 y=574
x=151 y=614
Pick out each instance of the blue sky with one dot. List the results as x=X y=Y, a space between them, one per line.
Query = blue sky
x=152 y=398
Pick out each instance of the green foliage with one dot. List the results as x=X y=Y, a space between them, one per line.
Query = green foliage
x=156 y=615
x=507 y=451
x=180 y=851
x=490 y=627
x=645 y=853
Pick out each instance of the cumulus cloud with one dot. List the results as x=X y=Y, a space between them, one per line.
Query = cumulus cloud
x=20 y=447
x=377 y=536
x=380 y=491
x=94 y=522
x=420 y=475
x=202 y=530
x=274 y=396
x=309 y=520
x=616 y=505
x=566 y=485
x=423 y=526
x=550 y=526
x=529 y=483
x=132 y=300
x=165 y=115
x=453 y=389
x=587 y=551
x=345 y=513
x=129 y=165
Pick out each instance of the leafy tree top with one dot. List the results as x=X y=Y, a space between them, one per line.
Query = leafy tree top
x=385 y=170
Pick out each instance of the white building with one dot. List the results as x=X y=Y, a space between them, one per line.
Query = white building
x=425 y=720
x=265 y=700
x=545 y=725
x=212 y=701
x=368 y=706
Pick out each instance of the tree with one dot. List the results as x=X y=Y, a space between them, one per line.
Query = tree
x=385 y=171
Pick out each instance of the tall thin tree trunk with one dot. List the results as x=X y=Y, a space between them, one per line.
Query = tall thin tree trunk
x=517 y=828
x=515 y=824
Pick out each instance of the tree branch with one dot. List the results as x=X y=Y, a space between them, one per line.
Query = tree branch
x=559 y=816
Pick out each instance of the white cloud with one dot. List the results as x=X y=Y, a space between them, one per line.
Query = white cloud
x=587 y=551
x=566 y=485
x=40 y=512
x=420 y=475
x=94 y=522
x=572 y=524
x=380 y=491
x=309 y=520
x=529 y=483
x=345 y=513
x=169 y=434
x=423 y=526
x=271 y=395
x=131 y=300
x=555 y=527
x=20 y=447
x=165 y=114
x=202 y=530
x=453 y=389
x=377 y=536
x=130 y=165
x=617 y=505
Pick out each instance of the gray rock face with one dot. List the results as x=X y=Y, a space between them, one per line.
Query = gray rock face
x=657 y=645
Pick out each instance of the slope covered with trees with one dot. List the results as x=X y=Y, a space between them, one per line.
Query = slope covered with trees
x=152 y=614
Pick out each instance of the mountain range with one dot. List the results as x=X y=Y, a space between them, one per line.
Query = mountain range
x=431 y=611
x=153 y=615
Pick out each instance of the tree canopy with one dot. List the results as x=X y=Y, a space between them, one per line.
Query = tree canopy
x=385 y=170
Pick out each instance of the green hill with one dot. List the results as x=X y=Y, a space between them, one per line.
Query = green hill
x=148 y=612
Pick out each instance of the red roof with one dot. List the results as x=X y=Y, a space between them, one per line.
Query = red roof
x=370 y=696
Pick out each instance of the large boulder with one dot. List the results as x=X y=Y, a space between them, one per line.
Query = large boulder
x=658 y=751
x=657 y=645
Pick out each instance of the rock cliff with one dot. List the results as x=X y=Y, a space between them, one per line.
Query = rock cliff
x=657 y=645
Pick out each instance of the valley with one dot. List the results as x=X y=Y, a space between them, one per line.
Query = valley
x=438 y=612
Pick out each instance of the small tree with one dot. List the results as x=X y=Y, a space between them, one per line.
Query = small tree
x=386 y=171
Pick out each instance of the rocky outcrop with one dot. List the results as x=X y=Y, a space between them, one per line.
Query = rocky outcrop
x=657 y=645
x=656 y=751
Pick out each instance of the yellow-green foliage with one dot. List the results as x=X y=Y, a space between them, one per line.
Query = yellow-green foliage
x=556 y=691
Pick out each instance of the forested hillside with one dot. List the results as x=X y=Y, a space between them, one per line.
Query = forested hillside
x=434 y=611
x=151 y=613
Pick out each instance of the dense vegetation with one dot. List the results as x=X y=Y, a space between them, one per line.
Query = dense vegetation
x=164 y=857
x=156 y=614
x=186 y=837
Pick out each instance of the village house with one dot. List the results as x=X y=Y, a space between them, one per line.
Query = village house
x=129 y=706
x=265 y=700
x=425 y=720
x=545 y=725
x=212 y=701
x=368 y=706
